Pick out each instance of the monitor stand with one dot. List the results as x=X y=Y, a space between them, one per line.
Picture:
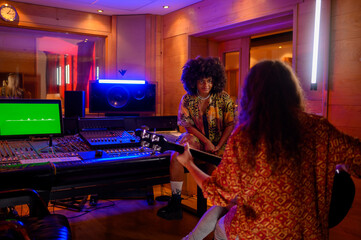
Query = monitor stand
x=50 y=148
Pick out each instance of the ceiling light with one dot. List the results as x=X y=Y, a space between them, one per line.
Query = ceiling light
x=100 y=10
x=165 y=6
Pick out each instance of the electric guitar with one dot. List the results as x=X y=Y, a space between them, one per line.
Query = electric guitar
x=161 y=144
x=343 y=191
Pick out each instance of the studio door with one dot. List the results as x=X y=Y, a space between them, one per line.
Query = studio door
x=235 y=57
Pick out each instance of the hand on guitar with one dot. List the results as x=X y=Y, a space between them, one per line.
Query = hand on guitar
x=209 y=147
x=186 y=160
x=186 y=157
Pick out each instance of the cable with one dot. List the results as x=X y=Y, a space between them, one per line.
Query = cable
x=86 y=211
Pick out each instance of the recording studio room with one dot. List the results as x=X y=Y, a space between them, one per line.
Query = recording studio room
x=90 y=96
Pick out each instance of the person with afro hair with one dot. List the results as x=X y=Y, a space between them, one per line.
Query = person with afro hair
x=206 y=112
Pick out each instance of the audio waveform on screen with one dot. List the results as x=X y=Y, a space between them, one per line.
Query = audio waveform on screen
x=31 y=120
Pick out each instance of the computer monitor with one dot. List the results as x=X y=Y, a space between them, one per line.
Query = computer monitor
x=21 y=118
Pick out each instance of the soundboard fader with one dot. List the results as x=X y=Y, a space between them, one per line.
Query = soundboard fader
x=14 y=152
x=68 y=148
x=109 y=139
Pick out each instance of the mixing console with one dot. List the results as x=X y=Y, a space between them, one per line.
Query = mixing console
x=68 y=148
x=107 y=139
x=103 y=157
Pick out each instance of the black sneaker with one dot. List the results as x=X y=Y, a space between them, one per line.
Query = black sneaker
x=173 y=211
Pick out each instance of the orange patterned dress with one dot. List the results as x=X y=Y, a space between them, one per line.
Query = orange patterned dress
x=219 y=114
x=286 y=204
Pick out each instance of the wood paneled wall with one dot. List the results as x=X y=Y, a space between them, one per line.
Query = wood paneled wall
x=210 y=15
x=345 y=66
x=344 y=99
x=175 y=56
x=154 y=57
x=58 y=19
x=64 y=20
x=206 y=16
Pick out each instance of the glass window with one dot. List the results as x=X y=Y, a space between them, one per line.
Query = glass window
x=275 y=46
x=46 y=64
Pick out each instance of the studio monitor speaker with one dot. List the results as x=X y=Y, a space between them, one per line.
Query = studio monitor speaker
x=111 y=97
x=74 y=104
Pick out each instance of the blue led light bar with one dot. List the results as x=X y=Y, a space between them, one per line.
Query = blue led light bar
x=121 y=81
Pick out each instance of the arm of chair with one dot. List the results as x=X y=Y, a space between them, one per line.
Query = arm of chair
x=39 y=223
x=13 y=229
x=37 y=207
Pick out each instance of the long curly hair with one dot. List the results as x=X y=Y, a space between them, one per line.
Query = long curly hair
x=271 y=101
x=199 y=68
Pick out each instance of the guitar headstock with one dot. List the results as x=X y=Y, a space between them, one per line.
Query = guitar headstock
x=151 y=140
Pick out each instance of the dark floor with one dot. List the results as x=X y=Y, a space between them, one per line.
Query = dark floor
x=134 y=219
x=126 y=219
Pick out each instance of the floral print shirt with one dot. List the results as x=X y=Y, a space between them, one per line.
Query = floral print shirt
x=283 y=204
x=219 y=114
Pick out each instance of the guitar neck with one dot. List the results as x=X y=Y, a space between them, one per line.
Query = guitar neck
x=204 y=156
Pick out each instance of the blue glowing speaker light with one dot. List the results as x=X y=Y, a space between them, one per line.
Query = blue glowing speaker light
x=122 y=98
x=121 y=81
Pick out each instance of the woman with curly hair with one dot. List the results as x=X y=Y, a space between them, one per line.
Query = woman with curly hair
x=279 y=163
x=206 y=111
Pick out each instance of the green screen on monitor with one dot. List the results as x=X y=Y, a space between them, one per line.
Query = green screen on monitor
x=30 y=117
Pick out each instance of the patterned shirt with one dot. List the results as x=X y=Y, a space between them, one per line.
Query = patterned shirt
x=219 y=114
x=283 y=204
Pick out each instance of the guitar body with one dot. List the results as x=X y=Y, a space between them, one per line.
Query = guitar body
x=343 y=191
